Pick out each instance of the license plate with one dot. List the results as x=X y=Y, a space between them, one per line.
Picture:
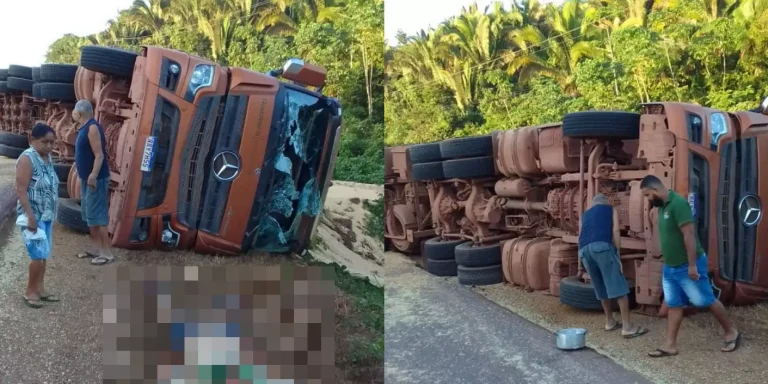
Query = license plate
x=148 y=158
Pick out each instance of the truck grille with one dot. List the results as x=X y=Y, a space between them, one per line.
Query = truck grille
x=747 y=240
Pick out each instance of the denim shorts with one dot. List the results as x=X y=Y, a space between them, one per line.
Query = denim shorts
x=40 y=249
x=94 y=202
x=603 y=264
x=680 y=290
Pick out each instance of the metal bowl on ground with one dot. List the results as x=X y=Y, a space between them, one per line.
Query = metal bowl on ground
x=571 y=338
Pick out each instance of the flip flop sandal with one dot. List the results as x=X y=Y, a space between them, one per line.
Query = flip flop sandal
x=661 y=353
x=50 y=298
x=32 y=303
x=638 y=332
x=85 y=255
x=732 y=343
x=101 y=260
x=616 y=325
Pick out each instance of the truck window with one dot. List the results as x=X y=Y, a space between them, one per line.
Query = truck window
x=698 y=196
x=717 y=128
x=694 y=128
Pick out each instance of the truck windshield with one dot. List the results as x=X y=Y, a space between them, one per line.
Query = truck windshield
x=303 y=121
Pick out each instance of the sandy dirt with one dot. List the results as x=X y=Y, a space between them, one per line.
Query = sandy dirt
x=341 y=232
x=699 y=361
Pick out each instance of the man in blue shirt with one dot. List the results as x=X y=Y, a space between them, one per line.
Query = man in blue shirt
x=92 y=168
x=599 y=241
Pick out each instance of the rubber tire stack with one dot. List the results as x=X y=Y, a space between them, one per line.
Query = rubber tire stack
x=56 y=83
x=468 y=157
x=18 y=79
x=438 y=255
x=69 y=215
x=426 y=162
x=479 y=265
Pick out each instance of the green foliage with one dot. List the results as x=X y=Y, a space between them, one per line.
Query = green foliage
x=531 y=63
x=344 y=36
x=374 y=222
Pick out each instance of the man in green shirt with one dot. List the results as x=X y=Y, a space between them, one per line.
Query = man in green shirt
x=685 y=280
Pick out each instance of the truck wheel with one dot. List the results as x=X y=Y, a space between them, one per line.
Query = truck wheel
x=3 y=74
x=10 y=152
x=4 y=87
x=57 y=91
x=36 y=91
x=427 y=171
x=578 y=294
x=470 y=255
x=62 y=171
x=14 y=140
x=19 y=84
x=466 y=147
x=424 y=153
x=602 y=124
x=63 y=193
x=36 y=74
x=469 y=168
x=438 y=249
x=480 y=275
x=441 y=267
x=58 y=73
x=69 y=215
x=20 y=71
x=108 y=60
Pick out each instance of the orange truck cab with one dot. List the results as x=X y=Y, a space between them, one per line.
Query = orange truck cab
x=220 y=159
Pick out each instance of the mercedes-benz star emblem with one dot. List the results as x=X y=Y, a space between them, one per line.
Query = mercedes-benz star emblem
x=226 y=166
x=750 y=210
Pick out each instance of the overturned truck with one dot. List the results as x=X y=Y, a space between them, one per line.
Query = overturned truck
x=206 y=157
x=506 y=207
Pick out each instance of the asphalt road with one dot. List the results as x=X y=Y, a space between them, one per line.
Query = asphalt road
x=437 y=331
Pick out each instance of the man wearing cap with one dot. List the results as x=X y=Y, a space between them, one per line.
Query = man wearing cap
x=599 y=242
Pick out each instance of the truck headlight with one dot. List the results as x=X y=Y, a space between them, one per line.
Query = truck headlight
x=202 y=76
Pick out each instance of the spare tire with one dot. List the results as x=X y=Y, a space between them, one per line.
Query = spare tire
x=470 y=168
x=578 y=294
x=20 y=71
x=36 y=74
x=480 y=275
x=602 y=124
x=58 y=73
x=70 y=216
x=56 y=91
x=466 y=147
x=427 y=171
x=14 y=140
x=21 y=85
x=3 y=74
x=11 y=152
x=438 y=249
x=470 y=255
x=424 y=153
x=108 y=60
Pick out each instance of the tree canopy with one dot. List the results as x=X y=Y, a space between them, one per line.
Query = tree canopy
x=523 y=63
x=344 y=36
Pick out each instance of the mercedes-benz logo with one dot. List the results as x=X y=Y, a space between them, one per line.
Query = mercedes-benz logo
x=226 y=165
x=750 y=210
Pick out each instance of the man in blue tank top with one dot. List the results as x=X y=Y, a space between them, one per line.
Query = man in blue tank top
x=599 y=241
x=93 y=170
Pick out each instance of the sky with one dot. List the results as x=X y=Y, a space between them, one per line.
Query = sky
x=414 y=15
x=28 y=27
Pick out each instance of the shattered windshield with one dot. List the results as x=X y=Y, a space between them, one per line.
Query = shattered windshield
x=294 y=190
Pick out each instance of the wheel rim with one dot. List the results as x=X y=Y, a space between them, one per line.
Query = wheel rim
x=395 y=227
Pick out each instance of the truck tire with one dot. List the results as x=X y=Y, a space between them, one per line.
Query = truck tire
x=62 y=171
x=10 y=152
x=438 y=249
x=56 y=91
x=578 y=294
x=441 y=267
x=469 y=255
x=480 y=275
x=36 y=91
x=427 y=171
x=4 y=87
x=20 y=71
x=602 y=124
x=3 y=74
x=19 y=84
x=57 y=73
x=36 y=74
x=466 y=147
x=14 y=140
x=108 y=60
x=470 y=168
x=424 y=153
x=68 y=215
x=63 y=193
